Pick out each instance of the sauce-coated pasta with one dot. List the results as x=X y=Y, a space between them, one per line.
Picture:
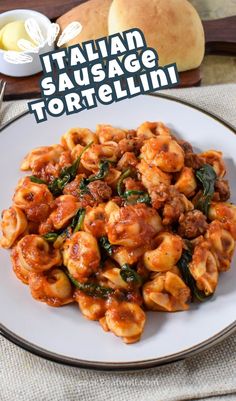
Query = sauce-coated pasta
x=120 y=222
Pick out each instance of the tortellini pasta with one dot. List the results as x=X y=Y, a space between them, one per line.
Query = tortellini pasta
x=81 y=254
x=149 y=130
x=96 y=153
x=123 y=255
x=46 y=161
x=34 y=199
x=120 y=222
x=186 y=182
x=14 y=223
x=64 y=208
x=163 y=152
x=222 y=211
x=204 y=268
x=20 y=271
x=133 y=226
x=107 y=133
x=52 y=287
x=42 y=154
x=95 y=221
x=166 y=292
x=112 y=274
x=166 y=254
x=92 y=308
x=35 y=254
x=222 y=244
x=125 y=320
x=215 y=159
x=152 y=176
x=78 y=136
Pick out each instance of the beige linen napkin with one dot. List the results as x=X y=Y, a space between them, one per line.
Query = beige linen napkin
x=208 y=375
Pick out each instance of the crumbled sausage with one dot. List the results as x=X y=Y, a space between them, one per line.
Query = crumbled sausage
x=222 y=191
x=159 y=195
x=99 y=190
x=192 y=224
x=175 y=206
x=193 y=160
x=133 y=185
x=173 y=202
x=187 y=148
x=127 y=160
x=73 y=187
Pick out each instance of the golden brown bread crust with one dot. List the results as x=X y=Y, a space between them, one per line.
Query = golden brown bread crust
x=92 y=15
x=172 y=27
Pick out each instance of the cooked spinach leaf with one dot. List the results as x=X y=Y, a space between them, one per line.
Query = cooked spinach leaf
x=207 y=177
x=61 y=235
x=105 y=244
x=183 y=265
x=129 y=275
x=50 y=237
x=77 y=221
x=37 y=180
x=102 y=173
x=91 y=289
x=67 y=175
x=141 y=196
x=123 y=176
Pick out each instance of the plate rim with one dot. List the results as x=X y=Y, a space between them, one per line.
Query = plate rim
x=124 y=366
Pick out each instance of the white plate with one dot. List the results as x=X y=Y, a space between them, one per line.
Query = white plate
x=62 y=334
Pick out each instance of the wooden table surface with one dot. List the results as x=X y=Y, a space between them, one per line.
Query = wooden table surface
x=52 y=8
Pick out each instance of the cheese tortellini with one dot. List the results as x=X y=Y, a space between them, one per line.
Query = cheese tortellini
x=92 y=308
x=121 y=222
x=36 y=254
x=204 y=268
x=52 y=287
x=78 y=136
x=166 y=292
x=14 y=223
x=163 y=152
x=222 y=244
x=166 y=254
x=81 y=254
x=125 y=320
x=132 y=226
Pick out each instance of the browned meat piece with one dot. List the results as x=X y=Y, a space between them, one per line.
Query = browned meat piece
x=222 y=191
x=127 y=160
x=173 y=202
x=193 y=160
x=73 y=187
x=175 y=206
x=187 y=148
x=130 y=145
x=100 y=191
x=38 y=213
x=192 y=224
x=159 y=195
x=133 y=185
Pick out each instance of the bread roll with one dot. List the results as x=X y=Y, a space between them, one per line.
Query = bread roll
x=172 y=27
x=92 y=15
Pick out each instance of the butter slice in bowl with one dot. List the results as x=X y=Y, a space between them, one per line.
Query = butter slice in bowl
x=11 y=33
x=12 y=29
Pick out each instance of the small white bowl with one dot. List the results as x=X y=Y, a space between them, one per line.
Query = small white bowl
x=27 y=69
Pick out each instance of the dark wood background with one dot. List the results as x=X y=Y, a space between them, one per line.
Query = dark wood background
x=220 y=39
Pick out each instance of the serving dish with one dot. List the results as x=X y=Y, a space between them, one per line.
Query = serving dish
x=62 y=334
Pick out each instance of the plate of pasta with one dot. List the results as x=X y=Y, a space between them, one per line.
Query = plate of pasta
x=120 y=221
